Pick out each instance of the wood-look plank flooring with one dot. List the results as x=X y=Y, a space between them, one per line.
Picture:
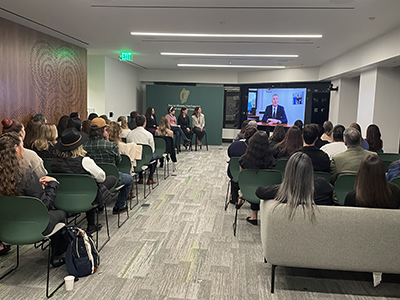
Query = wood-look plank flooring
x=182 y=246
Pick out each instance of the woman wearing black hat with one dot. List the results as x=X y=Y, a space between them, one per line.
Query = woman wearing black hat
x=71 y=159
x=16 y=180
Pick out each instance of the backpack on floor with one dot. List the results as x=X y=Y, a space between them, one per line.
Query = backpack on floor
x=82 y=258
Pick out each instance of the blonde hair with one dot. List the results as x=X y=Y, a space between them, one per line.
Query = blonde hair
x=74 y=153
x=164 y=126
x=124 y=124
x=47 y=135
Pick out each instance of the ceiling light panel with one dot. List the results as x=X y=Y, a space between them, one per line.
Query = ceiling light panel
x=230 y=66
x=294 y=36
x=227 y=55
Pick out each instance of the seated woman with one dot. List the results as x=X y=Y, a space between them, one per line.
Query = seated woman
x=371 y=187
x=71 y=159
x=297 y=188
x=258 y=156
x=164 y=128
x=327 y=135
x=184 y=123
x=151 y=121
x=44 y=145
x=16 y=180
x=277 y=136
x=198 y=124
x=124 y=126
x=299 y=173
x=291 y=143
x=180 y=135
x=240 y=135
x=374 y=138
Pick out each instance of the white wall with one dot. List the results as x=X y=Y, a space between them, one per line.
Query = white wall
x=366 y=99
x=96 y=83
x=122 y=88
x=344 y=102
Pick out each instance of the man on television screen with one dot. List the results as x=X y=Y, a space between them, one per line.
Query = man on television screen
x=275 y=114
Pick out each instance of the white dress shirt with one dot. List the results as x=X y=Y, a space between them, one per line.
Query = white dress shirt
x=334 y=148
x=140 y=135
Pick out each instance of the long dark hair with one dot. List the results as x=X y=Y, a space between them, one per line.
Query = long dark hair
x=374 y=138
x=148 y=113
x=292 y=141
x=279 y=133
x=196 y=111
x=10 y=169
x=372 y=189
x=183 y=108
x=258 y=154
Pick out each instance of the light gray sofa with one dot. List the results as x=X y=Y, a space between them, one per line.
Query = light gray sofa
x=341 y=238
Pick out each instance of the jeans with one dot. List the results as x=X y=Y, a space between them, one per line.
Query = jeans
x=126 y=180
x=179 y=134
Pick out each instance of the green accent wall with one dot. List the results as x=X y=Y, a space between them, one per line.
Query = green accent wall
x=210 y=99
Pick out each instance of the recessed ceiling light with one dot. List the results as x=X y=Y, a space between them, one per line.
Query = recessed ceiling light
x=310 y=36
x=230 y=66
x=228 y=55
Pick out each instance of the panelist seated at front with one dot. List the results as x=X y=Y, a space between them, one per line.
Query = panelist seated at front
x=275 y=114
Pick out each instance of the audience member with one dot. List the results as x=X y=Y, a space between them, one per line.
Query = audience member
x=44 y=145
x=371 y=187
x=32 y=132
x=394 y=170
x=364 y=143
x=92 y=116
x=124 y=126
x=237 y=149
x=198 y=124
x=348 y=162
x=74 y=115
x=62 y=125
x=291 y=143
x=132 y=122
x=40 y=117
x=337 y=146
x=277 y=136
x=374 y=139
x=327 y=135
x=184 y=123
x=140 y=135
x=319 y=143
x=151 y=121
x=30 y=160
x=242 y=129
x=164 y=129
x=299 y=123
x=319 y=158
x=77 y=123
x=298 y=180
x=258 y=156
x=105 y=119
x=72 y=159
x=103 y=151
x=86 y=127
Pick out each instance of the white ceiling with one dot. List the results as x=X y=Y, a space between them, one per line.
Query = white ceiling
x=105 y=26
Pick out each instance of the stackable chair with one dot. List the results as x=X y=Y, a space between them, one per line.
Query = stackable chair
x=325 y=175
x=195 y=141
x=234 y=169
x=388 y=158
x=76 y=194
x=141 y=166
x=47 y=164
x=281 y=165
x=22 y=221
x=396 y=181
x=125 y=166
x=112 y=170
x=250 y=180
x=161 y=151
x=147 y=156
x=343 y=185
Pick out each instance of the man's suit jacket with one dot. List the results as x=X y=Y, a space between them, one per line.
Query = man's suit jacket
x=347 y=162
x=280 y=114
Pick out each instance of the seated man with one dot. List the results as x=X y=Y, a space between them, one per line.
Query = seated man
x=337 y=146
x=275 y=113
x=140 y=135
x=320 y=159
x=348 y=162
x=101 y=150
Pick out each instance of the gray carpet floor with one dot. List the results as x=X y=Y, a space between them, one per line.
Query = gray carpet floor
x=180 y=245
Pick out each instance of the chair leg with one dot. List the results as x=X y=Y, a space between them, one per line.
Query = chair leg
x=273 y=278
x=14 y=268
x=206 y=141
x=154 y=186
x=235 y=222
x=227 y=195
x=48 y=277
x=108 y=229
x=127 y=217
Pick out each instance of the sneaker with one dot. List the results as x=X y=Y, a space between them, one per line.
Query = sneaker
x=117 y=211
x=93 y=228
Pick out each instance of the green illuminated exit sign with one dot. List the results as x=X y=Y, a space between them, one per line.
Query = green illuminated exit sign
x=126 y=56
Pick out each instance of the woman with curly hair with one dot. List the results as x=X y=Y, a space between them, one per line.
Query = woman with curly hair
x=258 y=156
x=291 y=143
x=44 y=145
x=16 y=180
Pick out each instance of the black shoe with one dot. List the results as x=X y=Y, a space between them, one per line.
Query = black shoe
x=117 y=211
x=238 y=206
x=100 y=209
x=252 y=222
x=5 y=249
x=161 y=166
x=92 y=228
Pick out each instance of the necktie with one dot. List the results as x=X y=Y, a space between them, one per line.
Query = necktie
x=274 y=114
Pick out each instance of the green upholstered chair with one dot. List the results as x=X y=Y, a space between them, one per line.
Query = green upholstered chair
x=22 y=221
x=325 y=175
x=388 y=158
x=281 y=165
x=234 y=169
x=250 y=180
x=47 y=164
x=343 y=185
x=161 y=151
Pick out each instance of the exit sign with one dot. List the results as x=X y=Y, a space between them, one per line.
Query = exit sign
x=126 y=56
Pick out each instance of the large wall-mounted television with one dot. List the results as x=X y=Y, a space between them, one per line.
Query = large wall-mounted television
x=293 y=100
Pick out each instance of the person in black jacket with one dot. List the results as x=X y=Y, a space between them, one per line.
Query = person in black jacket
x=15 y=180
